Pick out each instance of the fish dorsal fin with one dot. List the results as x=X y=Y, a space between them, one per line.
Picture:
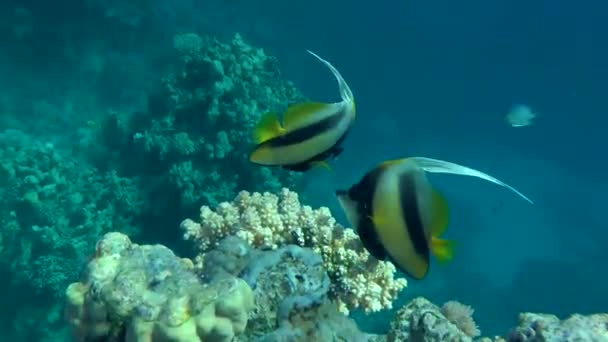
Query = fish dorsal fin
x=345 y=93
x=267 y=128
x=302 y=114
x=441 y=166
x=388 y=163
x=439 y=214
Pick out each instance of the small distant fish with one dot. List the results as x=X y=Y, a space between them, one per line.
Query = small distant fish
x=398 y=214
x=520 y=116
x=310 y=134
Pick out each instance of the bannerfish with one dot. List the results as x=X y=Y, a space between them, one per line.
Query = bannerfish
x=520 y=116
x=310 y=133
x=399 y=216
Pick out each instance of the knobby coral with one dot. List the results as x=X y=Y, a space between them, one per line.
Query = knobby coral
x=138 y=293
x=421 y=320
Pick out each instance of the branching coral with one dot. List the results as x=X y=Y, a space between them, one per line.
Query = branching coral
x=266 y=220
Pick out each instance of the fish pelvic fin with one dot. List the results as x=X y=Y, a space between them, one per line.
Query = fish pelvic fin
x=322 y=164
x=441 y=166
x=267 y=128
x=302 y=167
x=345 y=93
x=442 y=249
x=440 y=214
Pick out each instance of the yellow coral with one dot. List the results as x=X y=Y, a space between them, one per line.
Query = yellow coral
x=218 y=321
x=268 y=221
x=215 y=312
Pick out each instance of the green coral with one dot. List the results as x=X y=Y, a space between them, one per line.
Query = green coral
x=198 y=124
x=52 y=210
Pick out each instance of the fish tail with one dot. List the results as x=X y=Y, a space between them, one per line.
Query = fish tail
x=442 y=249
x=345 y=92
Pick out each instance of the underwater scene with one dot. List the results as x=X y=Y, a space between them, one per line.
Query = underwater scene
x=217 y=171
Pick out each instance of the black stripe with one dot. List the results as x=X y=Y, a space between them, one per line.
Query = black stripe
x=411 y=213
x=363 y=194
x=332 y=152
x=305 y=133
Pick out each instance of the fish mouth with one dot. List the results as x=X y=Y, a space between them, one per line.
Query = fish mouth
x=349 y=207
x=344 y=200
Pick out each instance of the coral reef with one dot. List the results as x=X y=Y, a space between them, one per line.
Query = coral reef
x=145 y=293
x=142 y=293
x=542 y=327
x=282 y=280
x=291 y=290
x=421 y=320
x=192 y=142
x=156 y=165
x=53 y=209
x=268 y=269
x=269 y=221
x=462 y=316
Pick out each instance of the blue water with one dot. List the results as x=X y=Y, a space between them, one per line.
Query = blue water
x=435 y=79
x=431 y=79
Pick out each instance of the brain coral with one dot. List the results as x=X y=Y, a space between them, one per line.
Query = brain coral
x=358 y=280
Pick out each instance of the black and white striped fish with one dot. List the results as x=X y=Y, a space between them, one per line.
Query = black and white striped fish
x=310 y=133
x=398 y=214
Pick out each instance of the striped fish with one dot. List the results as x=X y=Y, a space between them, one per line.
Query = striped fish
x=398 y=214
x=310 y=133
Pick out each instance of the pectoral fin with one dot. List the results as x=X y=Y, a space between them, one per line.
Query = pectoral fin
x=267 y=128
x=322 y=164
x=439 y=214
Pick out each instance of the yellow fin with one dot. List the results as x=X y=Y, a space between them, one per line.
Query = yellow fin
x=443 y=250
x=267 y=128
x=301 y=114
x=322 y=164
x=439 y=214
